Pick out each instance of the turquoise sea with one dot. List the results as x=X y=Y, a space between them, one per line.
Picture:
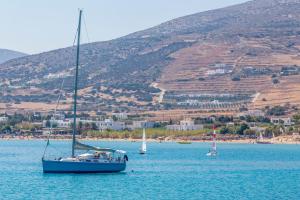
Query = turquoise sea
x=168 y=171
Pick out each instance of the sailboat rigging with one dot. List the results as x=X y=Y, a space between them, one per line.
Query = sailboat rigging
x=96 y=160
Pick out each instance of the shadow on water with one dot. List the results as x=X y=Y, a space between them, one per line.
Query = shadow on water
x=83 y=174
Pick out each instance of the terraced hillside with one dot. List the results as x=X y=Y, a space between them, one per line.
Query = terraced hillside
x=243 y=55
x=241 y=67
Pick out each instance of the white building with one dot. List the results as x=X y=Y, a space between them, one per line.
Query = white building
x=101 y=125
x=219 y=71
x=185 y=125
x=141 y=124
x=120 y=116
x=252 y=113
x=3 y=119
x=286 y=121
x=59 y=123
x=60 y=116
x=110 y=124
x=106 y=124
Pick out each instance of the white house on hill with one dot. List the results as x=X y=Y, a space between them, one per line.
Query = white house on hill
x=101 y=125
x=3 y=119
x=185 y=125
x=286 y=121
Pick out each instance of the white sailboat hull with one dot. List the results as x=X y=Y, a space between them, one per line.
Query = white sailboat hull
x=212 y=153
x=142 y=151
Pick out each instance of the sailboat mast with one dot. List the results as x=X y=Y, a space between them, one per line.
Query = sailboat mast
x=76 y=84
x=144 y=135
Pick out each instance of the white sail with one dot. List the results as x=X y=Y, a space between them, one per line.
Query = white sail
x=261 y=137
x=213 y=149
x=143 y=148
x=214 y=144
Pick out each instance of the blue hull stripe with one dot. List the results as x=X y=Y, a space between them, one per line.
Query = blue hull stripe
x=52 y=166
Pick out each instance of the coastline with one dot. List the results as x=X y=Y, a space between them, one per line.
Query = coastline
x=276 y=140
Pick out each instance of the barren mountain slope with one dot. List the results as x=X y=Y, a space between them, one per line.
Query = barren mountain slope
x=243 y=55
x=6 y=55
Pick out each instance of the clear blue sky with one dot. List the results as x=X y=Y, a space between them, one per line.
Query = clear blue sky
x=34 y=26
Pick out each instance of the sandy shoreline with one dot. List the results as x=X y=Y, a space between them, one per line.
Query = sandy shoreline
x=277 y=140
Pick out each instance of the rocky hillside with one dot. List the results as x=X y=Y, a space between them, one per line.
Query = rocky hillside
x=243 y=55
x=6 y=55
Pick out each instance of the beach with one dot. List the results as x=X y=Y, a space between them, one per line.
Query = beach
x=285 y=139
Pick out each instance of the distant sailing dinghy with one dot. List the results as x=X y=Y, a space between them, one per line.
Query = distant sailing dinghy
x=143 y=148
x=213 y=150
x=261 y=140
x=96 y=159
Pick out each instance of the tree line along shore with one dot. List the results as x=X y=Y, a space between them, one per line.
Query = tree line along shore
x=237 y=129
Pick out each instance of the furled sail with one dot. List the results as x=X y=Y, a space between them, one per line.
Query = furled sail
x=80 y=146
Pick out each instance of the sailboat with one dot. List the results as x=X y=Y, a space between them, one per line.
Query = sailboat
x=261 y=140
x=143 y=148
x=213 y=150
x=96 y=159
